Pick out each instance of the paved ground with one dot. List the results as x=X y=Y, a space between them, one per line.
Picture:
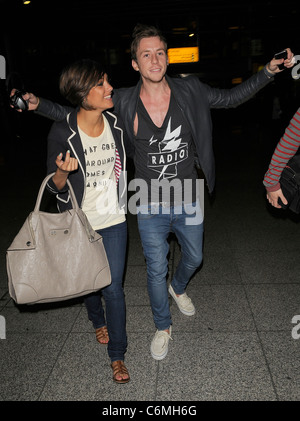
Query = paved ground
x=239 y=344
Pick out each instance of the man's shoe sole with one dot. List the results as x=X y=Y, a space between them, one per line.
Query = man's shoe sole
x=159 y=357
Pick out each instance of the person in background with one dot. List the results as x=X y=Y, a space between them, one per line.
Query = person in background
x=286 y=148
x=88 y=148
x=169 y=126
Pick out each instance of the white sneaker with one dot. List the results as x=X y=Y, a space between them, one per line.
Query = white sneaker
x=184 y=303
x=160 y=343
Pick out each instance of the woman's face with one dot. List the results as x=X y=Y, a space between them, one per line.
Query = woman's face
x=99 y=97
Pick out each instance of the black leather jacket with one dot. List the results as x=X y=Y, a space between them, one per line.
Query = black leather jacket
x=194 y=98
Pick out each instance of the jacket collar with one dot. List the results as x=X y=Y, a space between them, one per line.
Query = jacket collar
x=75 y=141
x=177 y=93
x=72 y=119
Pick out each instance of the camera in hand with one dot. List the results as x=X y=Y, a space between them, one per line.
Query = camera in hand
x=18 y=102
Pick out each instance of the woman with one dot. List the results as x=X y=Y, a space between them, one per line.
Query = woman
x=88 y=148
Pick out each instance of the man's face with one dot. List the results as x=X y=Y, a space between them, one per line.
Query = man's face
x=151 y=59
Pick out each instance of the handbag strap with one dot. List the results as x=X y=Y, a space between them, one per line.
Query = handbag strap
x=42 y=188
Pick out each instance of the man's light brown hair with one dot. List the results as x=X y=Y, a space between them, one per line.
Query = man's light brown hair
x=144 y=31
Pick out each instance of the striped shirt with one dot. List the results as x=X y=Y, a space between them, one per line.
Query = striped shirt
x=284 y=151
x=118 y=166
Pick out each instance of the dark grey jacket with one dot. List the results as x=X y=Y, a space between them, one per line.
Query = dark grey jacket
x=194 y=98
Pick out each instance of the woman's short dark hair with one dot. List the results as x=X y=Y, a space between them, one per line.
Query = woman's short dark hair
x=144 y=31
x=78 y=78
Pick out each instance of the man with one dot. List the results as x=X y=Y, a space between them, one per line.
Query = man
x=168 y=121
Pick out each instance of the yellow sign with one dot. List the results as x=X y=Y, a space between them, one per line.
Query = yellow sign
x=183 y=55
x=237 y=80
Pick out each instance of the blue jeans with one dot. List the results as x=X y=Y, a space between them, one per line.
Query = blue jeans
x=155 y=223
x=115 y=241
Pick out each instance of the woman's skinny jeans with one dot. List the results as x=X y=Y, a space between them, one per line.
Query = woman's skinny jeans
x=115 y=241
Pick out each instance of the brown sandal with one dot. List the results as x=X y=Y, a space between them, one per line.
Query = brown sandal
x=119 y=370
x=102 y=335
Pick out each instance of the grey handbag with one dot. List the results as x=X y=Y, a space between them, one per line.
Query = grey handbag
x=56 y=256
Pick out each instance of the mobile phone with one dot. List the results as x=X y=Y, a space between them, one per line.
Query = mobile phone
x=281 y=54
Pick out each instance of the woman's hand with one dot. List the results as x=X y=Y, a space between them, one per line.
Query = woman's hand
x=63 y=169
x=68 y=165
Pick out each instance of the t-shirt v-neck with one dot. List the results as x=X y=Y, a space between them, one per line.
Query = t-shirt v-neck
x=146 y=115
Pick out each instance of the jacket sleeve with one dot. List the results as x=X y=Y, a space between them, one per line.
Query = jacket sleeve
x=230 y=98
x=52 y=110
x=56 y=145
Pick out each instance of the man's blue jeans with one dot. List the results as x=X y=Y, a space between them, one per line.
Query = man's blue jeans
x=115 y=241
x=155 y=222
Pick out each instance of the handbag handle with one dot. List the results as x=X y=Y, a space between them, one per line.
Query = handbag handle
x=42 y=188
